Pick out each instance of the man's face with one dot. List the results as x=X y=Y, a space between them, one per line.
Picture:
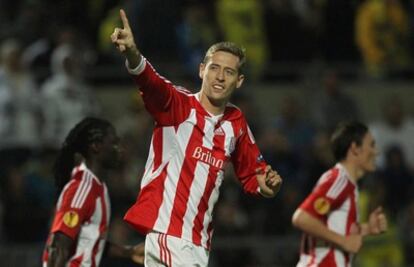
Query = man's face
x=111 y=152
x=220 y=77
x=367 y=153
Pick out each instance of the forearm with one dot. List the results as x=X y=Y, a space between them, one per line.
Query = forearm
x=120 y=251
x=133 y=56
x=58 y=257
x=315 y=227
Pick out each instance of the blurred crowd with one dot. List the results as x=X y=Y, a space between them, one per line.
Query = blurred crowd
x=48 y=48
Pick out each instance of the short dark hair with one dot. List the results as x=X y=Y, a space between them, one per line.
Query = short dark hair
x=344 y=135
x=229 y=47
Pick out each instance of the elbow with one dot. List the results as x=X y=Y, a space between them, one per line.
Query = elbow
x=296 y=218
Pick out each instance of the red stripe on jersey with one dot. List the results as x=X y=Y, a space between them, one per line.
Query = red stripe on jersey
x=161 y=248
x=76 y=262
x=157 y=146
x=312 y=242
x=351 y=220
x=149 y=199
x=168 y=252
x=329 y=260
x=198 y=223
x=186 y=178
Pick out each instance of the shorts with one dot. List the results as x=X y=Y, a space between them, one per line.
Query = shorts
x=166 y=250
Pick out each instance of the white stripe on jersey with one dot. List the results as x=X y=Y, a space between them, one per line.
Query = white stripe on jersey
x=87 y=190
x=59 y=202
x=338 y=186
x=149 y=165
x=337 y=218
x=209 y=214
x=197 y=189
x=198 y=185
x=81 y=189
x=168 y=151
x=209 y=126
x=339 y=258
x=320 y=255
x=182 y=136
x=88 y=234
x=229 y=134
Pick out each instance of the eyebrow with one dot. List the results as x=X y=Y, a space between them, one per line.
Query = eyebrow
x=226 y=68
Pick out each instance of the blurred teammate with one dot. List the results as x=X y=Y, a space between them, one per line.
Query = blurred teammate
x=195 y=137
x=329 y=215
x=80 y=226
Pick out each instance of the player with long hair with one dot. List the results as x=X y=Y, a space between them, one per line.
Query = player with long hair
x=79 y=230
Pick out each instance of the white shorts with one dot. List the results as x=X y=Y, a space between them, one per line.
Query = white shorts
x=165 y=250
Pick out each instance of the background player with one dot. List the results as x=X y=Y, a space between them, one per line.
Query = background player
x=79 y=229
x=329 y=215
x=195 y=137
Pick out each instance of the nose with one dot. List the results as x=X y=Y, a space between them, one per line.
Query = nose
x=220 y=75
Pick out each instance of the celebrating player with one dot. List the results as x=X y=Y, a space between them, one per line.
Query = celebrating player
x=329 y=215
x=195 y=137
x=80 y=225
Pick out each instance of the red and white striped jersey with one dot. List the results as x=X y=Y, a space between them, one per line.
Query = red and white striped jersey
x=334 y=202
x=189 y=151
x=82 y=213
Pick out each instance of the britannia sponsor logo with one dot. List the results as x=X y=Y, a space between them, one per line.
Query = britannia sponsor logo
x=207 y=157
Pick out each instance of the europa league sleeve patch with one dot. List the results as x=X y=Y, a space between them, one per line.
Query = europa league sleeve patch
x=71 y=219
x=321 y=205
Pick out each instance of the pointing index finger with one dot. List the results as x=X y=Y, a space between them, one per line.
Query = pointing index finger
x=124 y=19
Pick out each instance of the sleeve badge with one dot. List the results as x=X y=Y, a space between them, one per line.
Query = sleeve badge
x=71 y=219
x=321 y=205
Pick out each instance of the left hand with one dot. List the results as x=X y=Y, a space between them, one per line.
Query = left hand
x=377 y=223
x=138 y=253
x=269 y=181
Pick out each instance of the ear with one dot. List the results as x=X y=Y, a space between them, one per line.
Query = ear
x=95 y=147
x=240 y=81
x=201 y=70
x=354 y=149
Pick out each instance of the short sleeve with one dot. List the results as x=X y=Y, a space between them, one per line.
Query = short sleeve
x=75 y=206
x=327 y=195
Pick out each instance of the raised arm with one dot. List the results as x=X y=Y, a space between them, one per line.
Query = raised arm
x=124 y=41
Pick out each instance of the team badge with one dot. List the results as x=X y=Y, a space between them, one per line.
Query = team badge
x=322 y=205
x=71 y=219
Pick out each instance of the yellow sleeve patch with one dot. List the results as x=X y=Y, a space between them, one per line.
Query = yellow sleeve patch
x=321 y=205
x=71 y=219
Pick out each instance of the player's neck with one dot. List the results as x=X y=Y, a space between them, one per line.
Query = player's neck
x=355 y=172
x=211 y=106
x=95 y=168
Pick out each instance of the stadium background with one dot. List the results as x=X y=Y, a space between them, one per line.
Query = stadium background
x=311 y=64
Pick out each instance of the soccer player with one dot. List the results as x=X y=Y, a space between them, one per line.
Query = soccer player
x=195 y=137
x=80 y=224
x=329 y=215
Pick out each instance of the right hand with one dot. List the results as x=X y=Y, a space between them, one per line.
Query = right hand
x=124 y=41
x=352 y=243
